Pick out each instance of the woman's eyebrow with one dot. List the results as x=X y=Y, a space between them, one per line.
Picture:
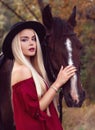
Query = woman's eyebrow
x=27 y=36
x=34 y=36
x=24 y=37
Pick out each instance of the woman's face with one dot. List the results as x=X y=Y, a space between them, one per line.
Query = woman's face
x=28 y=42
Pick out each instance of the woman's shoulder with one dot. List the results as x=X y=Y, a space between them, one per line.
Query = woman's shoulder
x=22 y=69
x=20 y=73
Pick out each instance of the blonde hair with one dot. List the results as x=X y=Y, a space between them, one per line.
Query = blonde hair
x=36 y=67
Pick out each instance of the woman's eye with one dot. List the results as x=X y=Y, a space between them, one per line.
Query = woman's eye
x=34 y=39
x=23 y=40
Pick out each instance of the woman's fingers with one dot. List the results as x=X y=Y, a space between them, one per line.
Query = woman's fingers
x=65 y=74
x=69 y=68
x=61 y=68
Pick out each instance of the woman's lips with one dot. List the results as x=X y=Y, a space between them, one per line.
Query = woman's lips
x=32 y=49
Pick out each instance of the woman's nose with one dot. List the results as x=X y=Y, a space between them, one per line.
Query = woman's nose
x=31 y=42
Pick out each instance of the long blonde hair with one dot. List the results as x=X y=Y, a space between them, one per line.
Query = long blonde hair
x=36 y=67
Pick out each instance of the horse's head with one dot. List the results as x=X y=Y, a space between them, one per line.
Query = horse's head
x=63 y=48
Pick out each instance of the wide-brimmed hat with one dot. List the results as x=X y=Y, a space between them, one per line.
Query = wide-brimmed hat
x=18 y=27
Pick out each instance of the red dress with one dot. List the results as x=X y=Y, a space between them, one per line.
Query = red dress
x=27 y=114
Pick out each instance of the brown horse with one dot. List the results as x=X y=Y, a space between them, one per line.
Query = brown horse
x=62 y=47
x=6 y=115
x=56 y=53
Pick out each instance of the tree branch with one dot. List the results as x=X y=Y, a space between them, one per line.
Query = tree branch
x=30 y=10
x=12 y=10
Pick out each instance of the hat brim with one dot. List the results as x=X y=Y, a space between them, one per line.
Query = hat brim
x=36 y=26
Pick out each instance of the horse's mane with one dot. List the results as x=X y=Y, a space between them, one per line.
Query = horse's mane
x=59 y=24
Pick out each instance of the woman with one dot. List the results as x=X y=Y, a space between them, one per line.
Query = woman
x=31 y=93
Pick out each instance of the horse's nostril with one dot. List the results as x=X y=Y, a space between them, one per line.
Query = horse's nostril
x=76 y=101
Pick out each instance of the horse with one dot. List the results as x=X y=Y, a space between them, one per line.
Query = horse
x=6 y=113
x=62 y=47
x=58 y=34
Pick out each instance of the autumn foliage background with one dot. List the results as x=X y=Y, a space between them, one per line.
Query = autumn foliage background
x=12 y=11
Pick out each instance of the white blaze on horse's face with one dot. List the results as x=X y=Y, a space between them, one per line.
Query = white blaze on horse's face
x=74 y=92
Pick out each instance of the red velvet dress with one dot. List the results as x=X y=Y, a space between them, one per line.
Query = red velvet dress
x=27 y=114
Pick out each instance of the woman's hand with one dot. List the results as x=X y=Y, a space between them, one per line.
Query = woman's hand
x=64 y=75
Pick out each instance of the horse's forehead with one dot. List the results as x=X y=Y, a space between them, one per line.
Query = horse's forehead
x=60 y=35
x=60 y=32
x=61 y=24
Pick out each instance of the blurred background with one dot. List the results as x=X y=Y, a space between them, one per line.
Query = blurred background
x=12 y=11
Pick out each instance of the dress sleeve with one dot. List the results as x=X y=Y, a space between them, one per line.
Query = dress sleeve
x=28 y=96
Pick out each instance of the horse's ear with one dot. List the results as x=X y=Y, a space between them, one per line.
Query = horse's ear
x=72 y=18
x=47 y=17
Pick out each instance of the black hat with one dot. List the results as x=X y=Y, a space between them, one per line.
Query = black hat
x=15 y=29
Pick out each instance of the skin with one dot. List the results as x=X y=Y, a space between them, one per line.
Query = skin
x=21 y=72
x=28 y=42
